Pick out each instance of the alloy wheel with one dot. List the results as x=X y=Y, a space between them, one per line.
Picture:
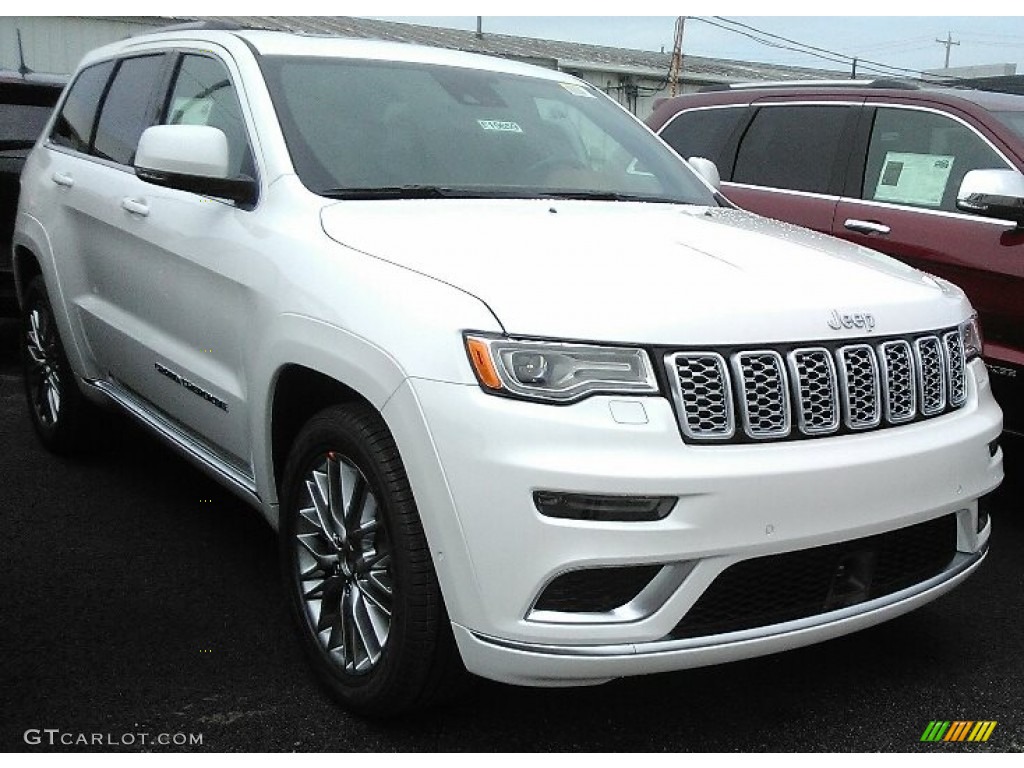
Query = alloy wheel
x=343 y=563
x=42 y=372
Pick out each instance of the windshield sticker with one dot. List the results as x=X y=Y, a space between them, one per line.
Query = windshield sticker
x=913 y=179
x=500 y=125
x=578 y=90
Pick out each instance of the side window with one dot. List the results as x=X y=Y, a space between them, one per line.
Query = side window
x=792 y=147
x=703 y=133
x=203 y=95
x=919 y=158
x=73 y=127
x=125 y=111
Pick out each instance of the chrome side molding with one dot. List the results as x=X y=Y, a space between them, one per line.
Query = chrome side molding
x=193 y=447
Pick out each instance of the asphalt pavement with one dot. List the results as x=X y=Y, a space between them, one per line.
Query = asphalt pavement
x=137 y=597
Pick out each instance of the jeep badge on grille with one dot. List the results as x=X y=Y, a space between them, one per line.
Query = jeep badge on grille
x=837 y=320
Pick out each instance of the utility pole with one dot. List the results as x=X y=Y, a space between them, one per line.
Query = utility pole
x=949 y=42
x=479 y=26
x=853 y=69
x=676 y=67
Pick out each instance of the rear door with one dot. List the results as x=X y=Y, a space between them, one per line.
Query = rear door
x=97 y=240
x=901 y=200
x=791 y=162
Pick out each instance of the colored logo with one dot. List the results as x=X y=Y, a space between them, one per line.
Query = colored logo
x=958 y=730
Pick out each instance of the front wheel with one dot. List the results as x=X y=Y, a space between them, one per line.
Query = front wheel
x=358 y=570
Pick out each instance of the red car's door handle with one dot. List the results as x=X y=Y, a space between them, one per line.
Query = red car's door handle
x=867 y=227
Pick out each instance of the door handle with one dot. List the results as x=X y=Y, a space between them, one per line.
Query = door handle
x=867 y=227
x=63 y=180
x=137 y=207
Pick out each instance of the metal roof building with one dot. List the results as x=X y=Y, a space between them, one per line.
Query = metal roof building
x=635 y=78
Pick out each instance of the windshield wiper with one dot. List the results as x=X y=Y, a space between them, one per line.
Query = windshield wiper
x=620 y=197
x=431 y=191
x=403 y=192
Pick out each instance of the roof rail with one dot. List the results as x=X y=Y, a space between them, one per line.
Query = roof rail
x=208 y=24
x=879 y=83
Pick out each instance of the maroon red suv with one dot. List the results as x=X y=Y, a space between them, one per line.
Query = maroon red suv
x=932 y=176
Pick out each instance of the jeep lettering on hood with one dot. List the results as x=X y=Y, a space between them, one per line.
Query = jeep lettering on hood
x=862 y=320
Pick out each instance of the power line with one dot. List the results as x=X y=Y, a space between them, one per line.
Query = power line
x=833 y=57
x=785 y=43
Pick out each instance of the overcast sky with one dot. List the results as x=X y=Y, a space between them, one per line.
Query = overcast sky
x=908 y=42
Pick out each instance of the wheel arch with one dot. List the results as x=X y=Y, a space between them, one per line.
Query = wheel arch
x=26 y=266
x=298 y=394
x=308 y=365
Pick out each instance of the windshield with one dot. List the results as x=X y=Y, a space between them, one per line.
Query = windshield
x=375 y=129
x=1012 y=120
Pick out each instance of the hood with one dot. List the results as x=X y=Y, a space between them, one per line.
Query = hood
x=646 y=273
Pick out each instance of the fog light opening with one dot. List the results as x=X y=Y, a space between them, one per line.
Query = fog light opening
x=595 y=590
x=627 y=509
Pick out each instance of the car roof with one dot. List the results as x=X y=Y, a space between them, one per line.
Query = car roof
x=745 y=93
x=991 y=100
x=276 y=43
x=41 y=79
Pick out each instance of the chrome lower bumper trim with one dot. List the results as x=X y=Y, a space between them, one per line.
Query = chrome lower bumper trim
x=958 y=569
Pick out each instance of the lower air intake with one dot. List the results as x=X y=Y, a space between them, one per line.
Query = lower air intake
x=796 y=585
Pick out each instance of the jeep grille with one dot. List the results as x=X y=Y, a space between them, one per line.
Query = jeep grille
x=751 y=395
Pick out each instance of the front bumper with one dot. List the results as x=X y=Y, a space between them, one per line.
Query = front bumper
x=564 y=665
x=474 y=461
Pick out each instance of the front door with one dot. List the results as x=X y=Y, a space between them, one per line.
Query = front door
x=173 y=303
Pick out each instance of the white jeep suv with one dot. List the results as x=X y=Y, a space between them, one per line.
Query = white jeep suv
x=522 y=393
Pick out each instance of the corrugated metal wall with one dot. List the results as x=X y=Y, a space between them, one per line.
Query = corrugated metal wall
x=57 y=43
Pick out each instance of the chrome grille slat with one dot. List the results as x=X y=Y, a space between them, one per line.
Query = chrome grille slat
x=898 y=381
x=954 y=348
x=858 y=374
x=752 y=395
x=764 y=401
x=816 y=390
x=704 y=395
x=931 y=375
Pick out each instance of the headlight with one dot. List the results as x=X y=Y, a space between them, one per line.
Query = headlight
x=970 y=332
x=556 y=372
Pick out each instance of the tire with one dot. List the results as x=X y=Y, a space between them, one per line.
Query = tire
x=62 y=416
x=364 y=594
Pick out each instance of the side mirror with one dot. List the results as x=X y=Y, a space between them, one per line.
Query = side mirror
x=193 y=158
x=998 y=194
x=707 y=170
